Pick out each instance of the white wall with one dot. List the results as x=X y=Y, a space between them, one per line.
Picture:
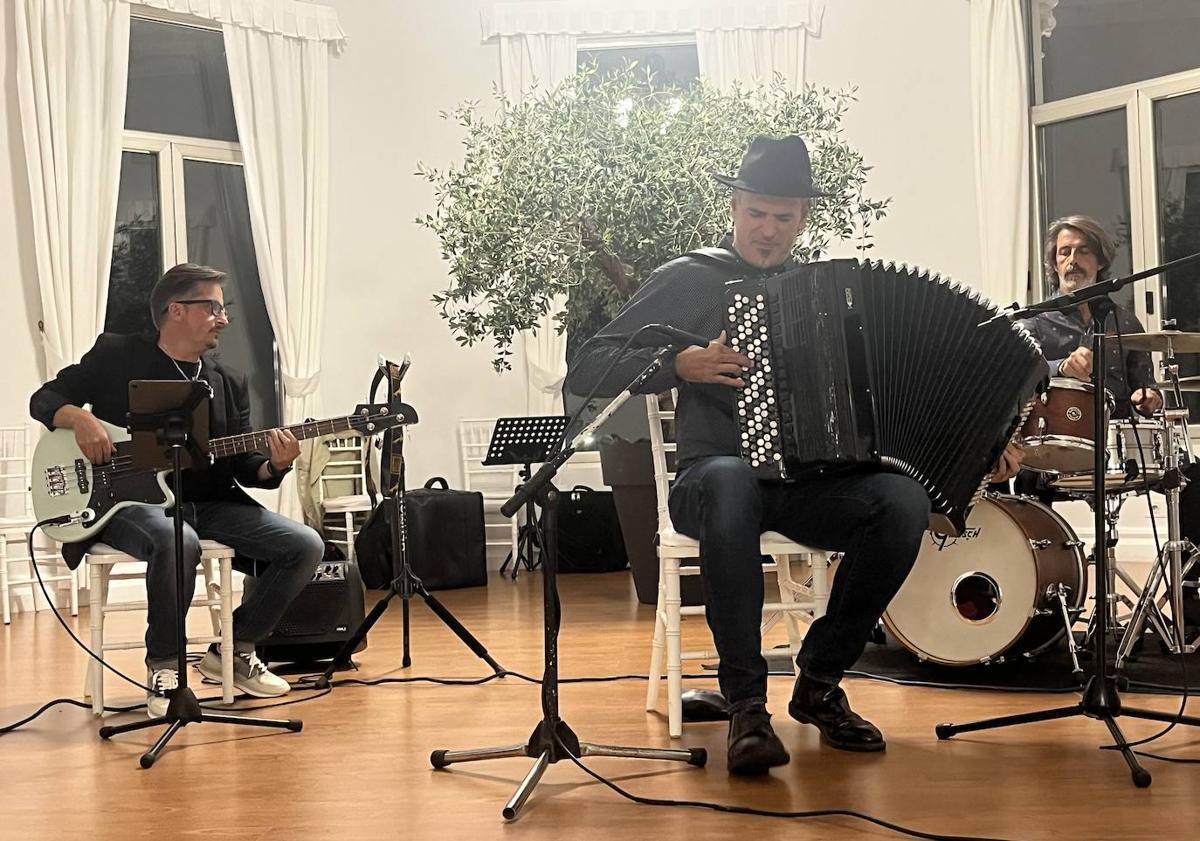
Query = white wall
x=405 y=63
x=911 y=123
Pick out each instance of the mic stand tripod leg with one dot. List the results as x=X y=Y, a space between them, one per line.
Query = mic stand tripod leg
x=552 y=740
x=406 y=585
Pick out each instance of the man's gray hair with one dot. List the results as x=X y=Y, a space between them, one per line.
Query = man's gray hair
x=1097 y=238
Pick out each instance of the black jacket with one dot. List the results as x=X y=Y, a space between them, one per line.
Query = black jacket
x=687 y=293
x=101 y=380
x=1060 y=333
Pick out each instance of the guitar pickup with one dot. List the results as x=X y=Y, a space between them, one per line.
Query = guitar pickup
x=56 y=481
x=81 y=476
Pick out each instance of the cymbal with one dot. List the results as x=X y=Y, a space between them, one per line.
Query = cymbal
x=1185 y=384
x=1180 y=341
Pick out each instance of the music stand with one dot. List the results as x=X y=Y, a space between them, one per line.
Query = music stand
x=164 y=418
x=525 y=441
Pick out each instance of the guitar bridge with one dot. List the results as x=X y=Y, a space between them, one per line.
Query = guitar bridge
x=56 y=481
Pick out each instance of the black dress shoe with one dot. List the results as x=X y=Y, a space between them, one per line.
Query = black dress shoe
x=825 y=706
x=753 y=746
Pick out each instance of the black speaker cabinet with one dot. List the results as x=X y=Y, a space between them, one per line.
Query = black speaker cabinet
x=320 y=620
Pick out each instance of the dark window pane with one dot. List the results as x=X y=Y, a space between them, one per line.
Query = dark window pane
x=218 y=235
x=1085 y=169
x=1177 y=174
x=672 y=66
x=1098 y=45
x=178 y=81
x=137 y=246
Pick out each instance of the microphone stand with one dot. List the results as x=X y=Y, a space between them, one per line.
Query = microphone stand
x=552 y=739
x=171 y=428
x=1100 y=698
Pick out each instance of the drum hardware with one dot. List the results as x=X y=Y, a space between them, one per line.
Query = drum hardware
x=1169 y=567
x=1186 y=384
x=1059 y=592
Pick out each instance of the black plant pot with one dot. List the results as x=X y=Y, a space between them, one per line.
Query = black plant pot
x=628 y=468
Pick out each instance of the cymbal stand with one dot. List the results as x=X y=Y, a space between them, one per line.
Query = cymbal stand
x=1170 y=564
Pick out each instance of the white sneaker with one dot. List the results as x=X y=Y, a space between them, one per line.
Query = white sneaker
x=250 y=675
x=160 y=682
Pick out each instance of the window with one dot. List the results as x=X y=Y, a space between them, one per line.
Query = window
x=670 y=65
x=1095 y=45
x=183 y=197
x=1125 y=148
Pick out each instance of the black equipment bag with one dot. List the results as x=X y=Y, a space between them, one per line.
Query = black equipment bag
x=446 y=543
x=589 y=534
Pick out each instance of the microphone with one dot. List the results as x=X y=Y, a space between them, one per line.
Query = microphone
x=676 y=335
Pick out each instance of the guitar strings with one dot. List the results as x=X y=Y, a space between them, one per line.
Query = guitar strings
x=121 y=465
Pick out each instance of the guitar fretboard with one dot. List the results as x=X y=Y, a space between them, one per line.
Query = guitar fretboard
x=233 y=444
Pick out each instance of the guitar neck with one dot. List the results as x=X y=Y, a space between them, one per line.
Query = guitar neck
x=231 y=445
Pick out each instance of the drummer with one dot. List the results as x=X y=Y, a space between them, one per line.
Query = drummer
x=1077 y=253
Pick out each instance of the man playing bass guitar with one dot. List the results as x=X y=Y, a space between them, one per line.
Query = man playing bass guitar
x=187 y=306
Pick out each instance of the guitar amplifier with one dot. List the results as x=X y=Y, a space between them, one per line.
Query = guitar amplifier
x=320 y=619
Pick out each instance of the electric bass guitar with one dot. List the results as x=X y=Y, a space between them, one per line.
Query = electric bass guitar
x=79 y=497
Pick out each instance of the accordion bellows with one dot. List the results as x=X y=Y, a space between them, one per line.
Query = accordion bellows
x=861 y=363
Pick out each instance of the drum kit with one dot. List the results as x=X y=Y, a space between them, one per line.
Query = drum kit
x=1015 y=582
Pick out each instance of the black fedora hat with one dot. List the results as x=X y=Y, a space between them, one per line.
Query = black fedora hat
x=775 y=166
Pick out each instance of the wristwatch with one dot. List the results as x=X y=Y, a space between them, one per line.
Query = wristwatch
x=275 y=471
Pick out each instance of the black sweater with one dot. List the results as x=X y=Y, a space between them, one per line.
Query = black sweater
x=687 y=293
x=101 y=379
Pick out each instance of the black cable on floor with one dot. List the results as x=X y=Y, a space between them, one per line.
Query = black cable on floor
x=45 y=592
x=766 y=813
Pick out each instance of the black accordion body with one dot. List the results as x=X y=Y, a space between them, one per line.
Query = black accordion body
x=865 y=364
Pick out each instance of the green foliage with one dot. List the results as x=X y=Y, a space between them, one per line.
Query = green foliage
x=582 y=191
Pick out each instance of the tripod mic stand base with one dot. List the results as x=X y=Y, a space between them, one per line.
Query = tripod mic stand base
x=1101 y=701
x=553 y=741
x=183 y=710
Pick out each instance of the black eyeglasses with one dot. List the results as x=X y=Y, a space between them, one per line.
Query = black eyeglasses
x=215 y=307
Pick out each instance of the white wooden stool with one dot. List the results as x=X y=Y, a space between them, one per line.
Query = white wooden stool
x=217 y=597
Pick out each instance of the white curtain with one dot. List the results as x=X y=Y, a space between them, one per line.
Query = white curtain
x=529 y=62
x=72 y=65
x=281 y=102
x=1000 y=123
x=751 y=55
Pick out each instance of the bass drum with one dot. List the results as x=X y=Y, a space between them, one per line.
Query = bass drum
x=990 y=594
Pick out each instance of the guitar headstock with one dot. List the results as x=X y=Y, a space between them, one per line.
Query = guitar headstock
x=370 y=418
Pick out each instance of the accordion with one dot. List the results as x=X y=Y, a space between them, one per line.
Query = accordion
x=865 y=364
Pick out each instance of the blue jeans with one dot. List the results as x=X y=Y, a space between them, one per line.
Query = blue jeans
x=286 y=555
x=876 y=519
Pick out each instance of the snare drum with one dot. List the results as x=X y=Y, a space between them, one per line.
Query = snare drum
x=1059 y=433
x=1134 y=459
x=990 y=594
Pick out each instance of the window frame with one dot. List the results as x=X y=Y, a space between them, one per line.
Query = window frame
x=171 y=151
x=1137 y=101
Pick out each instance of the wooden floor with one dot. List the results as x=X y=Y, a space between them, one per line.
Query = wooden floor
x=360 y=768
